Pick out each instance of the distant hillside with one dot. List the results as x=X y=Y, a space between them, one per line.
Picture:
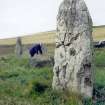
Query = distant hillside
x=101 y=26
x=99 y=33
x=49 y=37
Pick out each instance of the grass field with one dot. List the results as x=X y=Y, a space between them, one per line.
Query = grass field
x=21 y=84
x=45 y=37
x=49 y=37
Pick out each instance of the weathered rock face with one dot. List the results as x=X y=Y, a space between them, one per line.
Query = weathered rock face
x=18 y=49
x=73 y=69
x=40 y=61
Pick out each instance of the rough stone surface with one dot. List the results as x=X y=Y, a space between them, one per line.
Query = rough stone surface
x=18 y=49
x=41 y=61
x=73 y=69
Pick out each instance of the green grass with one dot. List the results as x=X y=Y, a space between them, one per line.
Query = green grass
x=100 y=66
x=21 y=84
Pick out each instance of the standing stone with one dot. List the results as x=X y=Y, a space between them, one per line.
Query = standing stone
x=18 y=49
x=73 y=69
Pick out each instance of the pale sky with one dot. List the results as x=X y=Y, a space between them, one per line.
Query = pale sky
x=22 y=17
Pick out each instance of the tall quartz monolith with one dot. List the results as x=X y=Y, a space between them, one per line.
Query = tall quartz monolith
x=73 y=69
x=18 y=48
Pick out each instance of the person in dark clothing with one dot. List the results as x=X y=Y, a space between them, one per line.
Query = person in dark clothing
x=36 y=49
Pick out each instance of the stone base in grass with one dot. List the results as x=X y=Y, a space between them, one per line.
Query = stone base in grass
x=40 y=61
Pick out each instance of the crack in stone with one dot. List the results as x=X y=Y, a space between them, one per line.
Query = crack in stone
x=73 y=52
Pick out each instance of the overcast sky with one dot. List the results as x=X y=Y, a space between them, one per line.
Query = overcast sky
x=21 y=17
